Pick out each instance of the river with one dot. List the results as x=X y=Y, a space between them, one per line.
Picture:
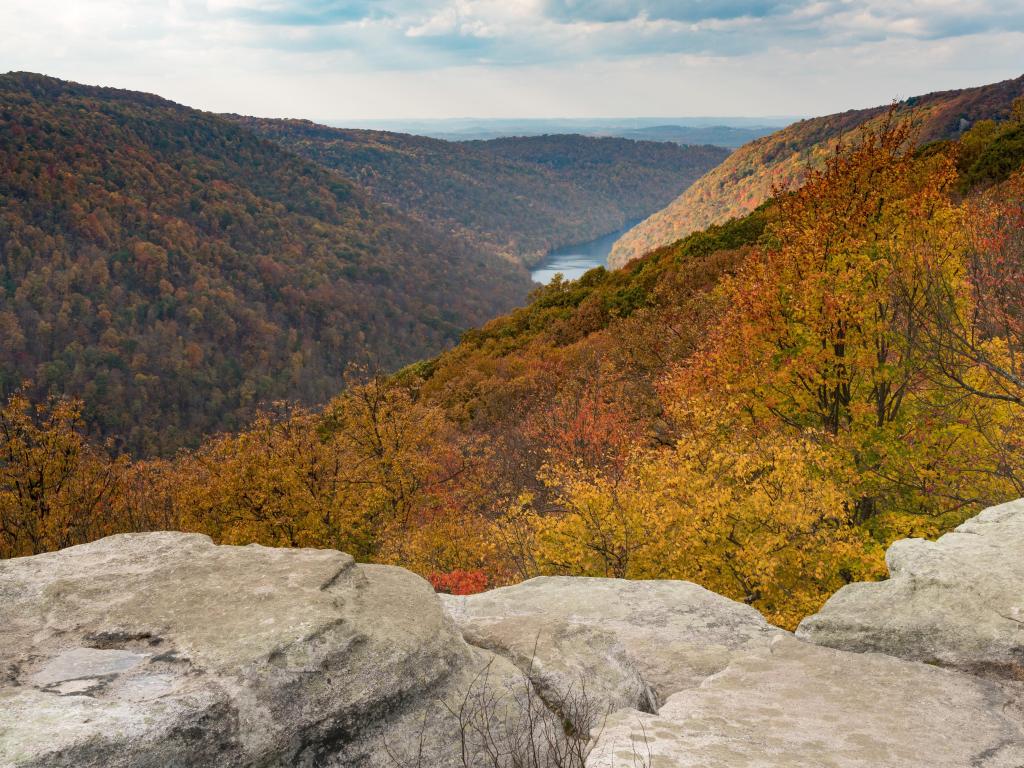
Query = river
x=573 y=260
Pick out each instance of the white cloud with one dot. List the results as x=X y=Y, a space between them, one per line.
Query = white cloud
x=337 y=58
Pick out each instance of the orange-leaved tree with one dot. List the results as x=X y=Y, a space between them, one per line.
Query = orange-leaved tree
x=823 y=332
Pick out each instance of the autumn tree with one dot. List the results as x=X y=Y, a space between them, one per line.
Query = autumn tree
x=55 y=488
x=979 y=322
x=604 y=527
x=971 y=324
x=817 y=308
x=823 y=332
x=764 y=519
x=378 y=474
x=588 y=419
x=276 y=484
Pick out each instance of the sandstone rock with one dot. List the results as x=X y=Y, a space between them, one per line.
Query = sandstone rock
x=958 y=601
x=623 y=643
x=163 y=650
x=800 y=706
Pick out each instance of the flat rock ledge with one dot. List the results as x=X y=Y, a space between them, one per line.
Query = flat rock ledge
x=801 y=706
x=164 y=650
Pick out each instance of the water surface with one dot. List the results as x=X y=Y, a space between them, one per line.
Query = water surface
x=573 y=260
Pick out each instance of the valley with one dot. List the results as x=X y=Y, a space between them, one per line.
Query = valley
x=276 y=332
x=179 y=272
x=475 y=384
x=515 y=198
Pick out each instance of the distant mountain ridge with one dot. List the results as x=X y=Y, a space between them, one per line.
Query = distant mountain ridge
x=516 y=197
x=723 y=131
x=728 y=136
x=746 y=179
x=176 y=270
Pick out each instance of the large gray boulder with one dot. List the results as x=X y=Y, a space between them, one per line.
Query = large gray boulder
x=957 y=601
x=617 y=643
x=163 y=650
x=166 y=651
x=800 y=706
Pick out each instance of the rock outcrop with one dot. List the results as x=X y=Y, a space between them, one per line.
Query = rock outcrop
x=623 y=643
x=866 y=699
x=957 y=601
x=801 y=706
x=164 y=650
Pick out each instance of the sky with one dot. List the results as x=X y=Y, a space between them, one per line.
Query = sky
x=332 y=60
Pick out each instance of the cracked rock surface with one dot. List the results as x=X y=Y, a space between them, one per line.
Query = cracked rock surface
x=797 y=705
x=851 y=690
x=164 y=650
x=629 y=643
x=957 y=601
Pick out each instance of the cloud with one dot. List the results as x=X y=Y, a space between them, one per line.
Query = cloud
x=514 y=32
x=416 y=56
x=687 y=10
x=310 y=13
x=415 y=33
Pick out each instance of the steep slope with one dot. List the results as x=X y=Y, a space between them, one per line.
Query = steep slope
x=748 y=176
x=175 y=269
x=518 y=197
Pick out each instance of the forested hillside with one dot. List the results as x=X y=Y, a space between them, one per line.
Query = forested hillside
x=732 y=137
x=175 y=270
x=761 y=407
x=781 y=160
x=519 y=197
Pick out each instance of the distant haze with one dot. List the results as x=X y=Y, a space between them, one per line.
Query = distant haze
x=722 y=131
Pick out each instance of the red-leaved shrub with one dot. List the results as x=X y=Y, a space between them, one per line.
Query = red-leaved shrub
x=459 y=582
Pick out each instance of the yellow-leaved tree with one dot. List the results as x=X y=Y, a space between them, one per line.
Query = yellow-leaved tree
x=762 y=519
x=55 y=488
x=378 y=474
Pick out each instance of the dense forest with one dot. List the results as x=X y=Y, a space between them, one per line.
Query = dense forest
x=517 y=197
x=175 y=270
x=753 y=173
x=729 y=136
x=761 y=407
